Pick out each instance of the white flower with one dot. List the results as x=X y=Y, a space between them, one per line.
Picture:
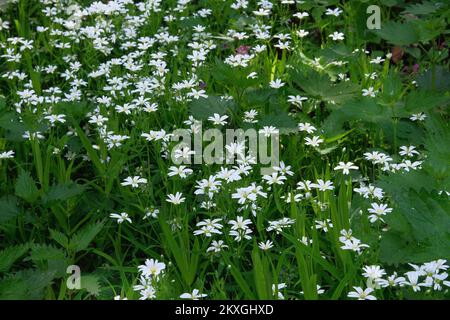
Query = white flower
x=268 y=131
x=323 y=185
x=181 y=171
x=373 y=272
x=408 y=151
x=175 y=199
x=216 y=246
x=337 y=36
x=378 y=210
x=217 y=119
x=369 y=92
x=297 y=100
x=134 y=181
x=306 y=127
x=333 y=12
x=413 y=281
x=195 y=295
x=265 y=245
x=377 y=60
x=276 y=84
x=345 y=167
x=7 y=155
x=301 y=15
x=418 y=116
x=361 y=294
x=275 y=178
x=314 y=141
x=302 y=33
x=152 y=268
x=278 y=289
x=123 y=216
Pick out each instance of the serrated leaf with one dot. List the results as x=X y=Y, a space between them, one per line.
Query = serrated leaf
x=397 y=33
x=320 y=87
x=423 y=101
x=61 y=192
x=25 y=285
x=26 y=187
x=424 y=8
x=10 y=255
x=203 y=108
x=8 y=208
x=41 y=252
x=60 y=238
x=281 y=121
x=81 y=240
x=91 y=284
x=428 y=217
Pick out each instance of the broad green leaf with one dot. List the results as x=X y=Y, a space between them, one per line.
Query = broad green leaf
x=203 y=108
x=61 y=192
x=27 y=284
x=91 y=284
x=9 y=255
x=26 y=187
x=398 y=33
x=8 y=208
x=60 y=238
x=83 y=238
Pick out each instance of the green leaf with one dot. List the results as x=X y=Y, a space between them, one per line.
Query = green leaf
x=428 y=217
x=281 y=121
x=8 y=208
x=27 y=284
x=91 y=284
x=60 y=238
x=26 y=187
x=397 y=33
x=424 y=8
x=9 y=255
x=320 y=87
x=81 y=240
x=435 y=78
x=423 y=101
x=61 y=192
x=203 y=108
x=43 y=252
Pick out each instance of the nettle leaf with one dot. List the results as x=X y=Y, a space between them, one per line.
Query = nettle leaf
x=428 y=216
x=397 y=33
x=259 y=96
x=61 y=192
x=10 y=255
x=47 y=257
x=281 y=121
x=424 y=100
x=26 y=187
x=424 y=8
x=233 y=77
x=203 y=108
x=27 y=284
x=320 y=87
x=60 y=238
x=91 y=283
x=81 y=240
x=43 y=252
x=13 y=127
x=435 y=79
x=8 y=208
